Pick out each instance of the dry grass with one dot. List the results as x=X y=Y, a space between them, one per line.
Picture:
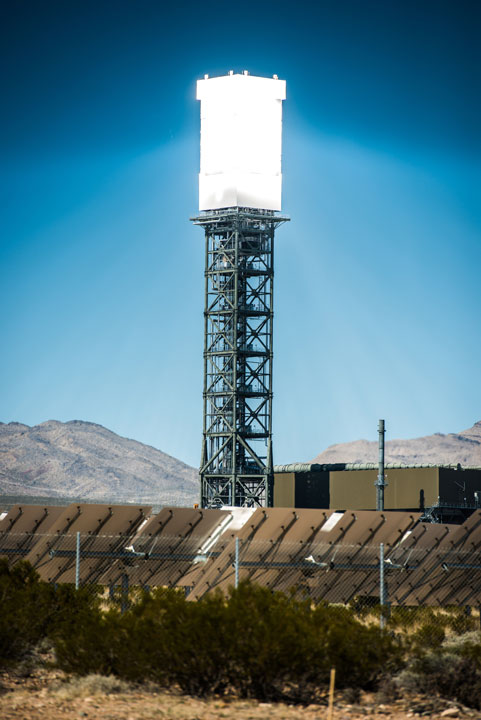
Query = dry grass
x=78 y=687
x=50 y=695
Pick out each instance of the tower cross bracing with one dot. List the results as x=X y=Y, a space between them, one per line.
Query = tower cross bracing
x=236 y=459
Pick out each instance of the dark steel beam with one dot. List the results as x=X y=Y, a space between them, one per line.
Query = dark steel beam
x=236 y=461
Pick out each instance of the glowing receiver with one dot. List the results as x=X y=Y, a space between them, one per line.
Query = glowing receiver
x=240 y=142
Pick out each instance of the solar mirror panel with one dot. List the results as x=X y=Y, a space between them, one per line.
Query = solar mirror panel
x=422 y=553
x=348 y=547
x=469 y=533
x=30 y=518
x=21 y=527
x=167 y=546
x=103 y=529
x=276 y=552
x=456 y=579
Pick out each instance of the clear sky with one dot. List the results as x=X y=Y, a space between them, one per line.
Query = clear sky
x=377 y=288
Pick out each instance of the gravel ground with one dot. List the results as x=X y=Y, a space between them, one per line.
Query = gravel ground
x=50 y=695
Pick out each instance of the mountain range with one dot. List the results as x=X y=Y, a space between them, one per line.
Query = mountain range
x=453 y=448
x=83 y=460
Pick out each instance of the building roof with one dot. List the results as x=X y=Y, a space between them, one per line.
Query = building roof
x=331 y=467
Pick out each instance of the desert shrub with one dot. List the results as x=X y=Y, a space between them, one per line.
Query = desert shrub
x=429 y=636
x=278 y=641
x=32 y=610
x=451 y=669
x=91 y=646
x=404 y=618
x=17 y=620
x=29 y=609
x=351 y=696
x=461 y=623
x=451 y=676
x=271 y=640
x=84 y=685
x=360 y=654
x=363 y=605
x=387 y=690
x=468 y=645
x=160 y=638
x=171 y=640
x=258 y=643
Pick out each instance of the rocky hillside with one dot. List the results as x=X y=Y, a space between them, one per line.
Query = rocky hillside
x=82 y=460
x=463 y=447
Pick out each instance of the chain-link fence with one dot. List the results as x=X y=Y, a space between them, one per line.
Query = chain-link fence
x=398 y=587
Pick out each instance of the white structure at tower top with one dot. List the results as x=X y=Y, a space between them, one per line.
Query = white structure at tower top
x=240 y=141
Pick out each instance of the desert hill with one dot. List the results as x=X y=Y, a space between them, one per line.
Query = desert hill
x=83 y=460
x=463 y=447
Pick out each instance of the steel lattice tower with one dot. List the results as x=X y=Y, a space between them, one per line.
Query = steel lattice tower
x=236 y=462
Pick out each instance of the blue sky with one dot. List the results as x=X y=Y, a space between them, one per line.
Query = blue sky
x=377 y=291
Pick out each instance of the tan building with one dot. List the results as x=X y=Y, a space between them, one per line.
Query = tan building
x=343 y=486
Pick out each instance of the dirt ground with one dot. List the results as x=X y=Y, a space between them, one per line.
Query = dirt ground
x=50 y=695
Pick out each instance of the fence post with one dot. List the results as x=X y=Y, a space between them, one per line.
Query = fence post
x=77 y=563
x=236 y=563
x=124 y=593
x=382 y=587
x=332 y=681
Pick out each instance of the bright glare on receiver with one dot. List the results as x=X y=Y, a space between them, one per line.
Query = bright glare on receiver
x=240 y=141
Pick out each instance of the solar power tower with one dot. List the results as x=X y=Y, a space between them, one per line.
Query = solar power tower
x=239 y=203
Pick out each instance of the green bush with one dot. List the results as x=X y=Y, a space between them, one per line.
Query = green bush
x=18 y=617
x=257 y=643
x=451 y=669
x=429 y=636
x=254 y=642
x=451 y=676
x=407 y=617
x=31 y=610
x=461 y=623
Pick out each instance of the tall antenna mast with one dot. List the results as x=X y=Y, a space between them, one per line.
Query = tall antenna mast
x=381 y=482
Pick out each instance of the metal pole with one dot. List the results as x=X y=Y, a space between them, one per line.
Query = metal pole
x=332 y=682
x=236 y=563
x=77 y=563
x=238 y=408
x=382 y=586
x=270 y=469
x=203 y=495
x=380 y=484
x=124 y=593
